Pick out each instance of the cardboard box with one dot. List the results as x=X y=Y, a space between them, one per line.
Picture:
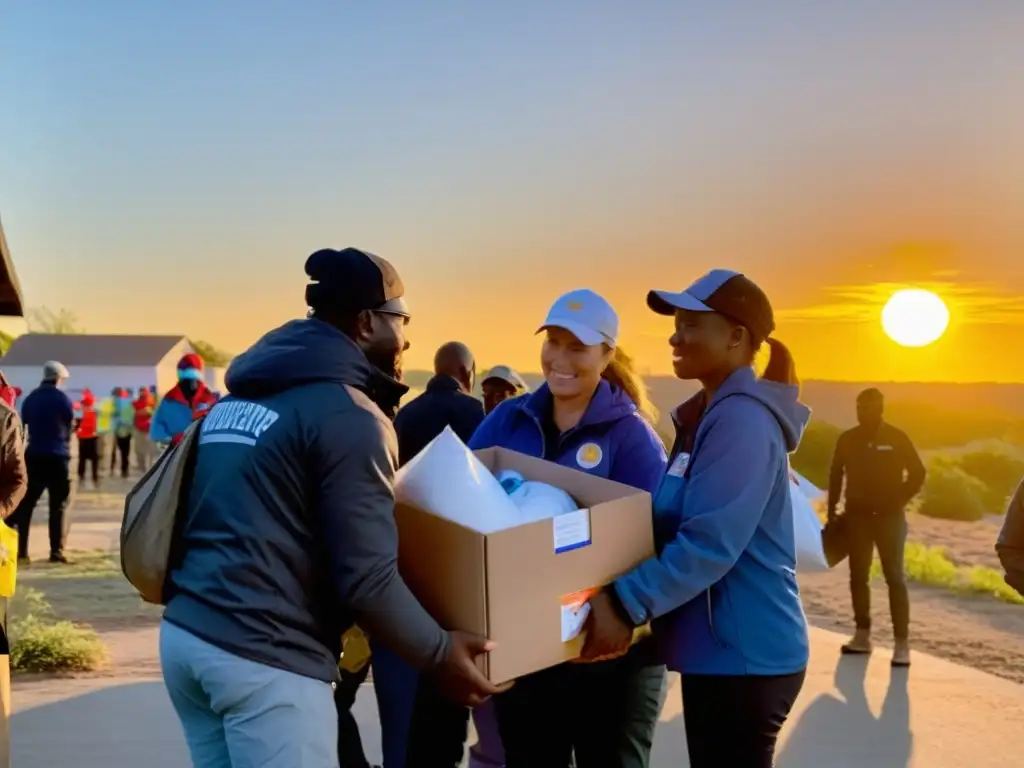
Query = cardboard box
x=520 y=586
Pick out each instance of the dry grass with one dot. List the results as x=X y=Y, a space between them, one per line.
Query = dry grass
x=92 y=590
x=961 y=609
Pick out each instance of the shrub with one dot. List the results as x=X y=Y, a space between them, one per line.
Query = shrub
x=952 y=494
x=999 y=471
x=932 y=567
x=41 y=643
x=813 y=458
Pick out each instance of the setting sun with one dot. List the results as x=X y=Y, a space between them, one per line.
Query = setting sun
x=915 y=317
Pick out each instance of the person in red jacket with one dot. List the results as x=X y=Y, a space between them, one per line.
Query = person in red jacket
x=189 y=399
x=88 y=439
x=144 y=405
x=8 y=394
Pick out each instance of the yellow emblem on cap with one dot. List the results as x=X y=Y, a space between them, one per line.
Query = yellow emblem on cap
x=574 y=306
x=589 y=455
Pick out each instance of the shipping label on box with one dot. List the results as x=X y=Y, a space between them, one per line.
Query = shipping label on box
x=571 y=530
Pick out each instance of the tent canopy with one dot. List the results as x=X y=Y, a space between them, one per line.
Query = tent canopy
x=10 y=291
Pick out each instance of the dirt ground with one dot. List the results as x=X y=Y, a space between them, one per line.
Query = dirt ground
x=978 y=631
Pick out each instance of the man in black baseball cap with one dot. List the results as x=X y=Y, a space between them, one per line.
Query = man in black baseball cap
x=289 y=535
x=362 y=295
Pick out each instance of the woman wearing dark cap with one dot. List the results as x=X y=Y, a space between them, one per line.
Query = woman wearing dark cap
x=722 y=591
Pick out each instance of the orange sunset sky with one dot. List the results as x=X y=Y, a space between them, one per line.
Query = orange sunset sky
x=169 y=171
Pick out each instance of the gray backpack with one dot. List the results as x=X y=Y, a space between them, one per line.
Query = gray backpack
x=152 y=510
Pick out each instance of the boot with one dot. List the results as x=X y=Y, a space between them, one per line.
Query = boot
x=860 y=643
x=901 y=653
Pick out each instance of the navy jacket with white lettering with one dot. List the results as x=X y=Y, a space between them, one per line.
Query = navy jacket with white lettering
x=289 y=536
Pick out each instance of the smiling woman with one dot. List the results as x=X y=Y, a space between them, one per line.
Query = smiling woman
x=915 y=317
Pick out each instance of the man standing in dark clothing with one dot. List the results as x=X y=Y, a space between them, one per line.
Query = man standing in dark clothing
x=48 y=415
x=447 y=402
x=883 y=473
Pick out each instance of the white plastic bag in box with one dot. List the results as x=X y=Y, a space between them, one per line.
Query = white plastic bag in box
x=810 y=553
x=446 y=479
x=536 y=500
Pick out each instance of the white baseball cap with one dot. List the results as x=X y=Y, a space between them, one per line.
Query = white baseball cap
x=53 y=371
x=586 y=315
x=508 y=375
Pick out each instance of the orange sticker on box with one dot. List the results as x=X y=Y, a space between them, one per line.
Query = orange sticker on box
x=575 y=609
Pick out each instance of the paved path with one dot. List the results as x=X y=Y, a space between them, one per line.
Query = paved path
x=852 y=713
x=855 y=714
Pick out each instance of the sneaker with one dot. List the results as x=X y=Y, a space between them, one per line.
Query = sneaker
x=901 y=653
x=59 y=557
x=859 y=644
x=24 y=560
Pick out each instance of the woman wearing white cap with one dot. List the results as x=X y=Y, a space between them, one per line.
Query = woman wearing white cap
x=721 y=593
x=592 y=414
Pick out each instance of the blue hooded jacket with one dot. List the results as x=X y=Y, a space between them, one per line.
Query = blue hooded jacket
x=722 y=591
x=612 y=440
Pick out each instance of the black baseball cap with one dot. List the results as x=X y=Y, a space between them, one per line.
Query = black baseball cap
x=726 y=292
x=353 y=280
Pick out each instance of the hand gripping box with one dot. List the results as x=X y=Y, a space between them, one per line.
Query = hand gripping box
x=523 y=586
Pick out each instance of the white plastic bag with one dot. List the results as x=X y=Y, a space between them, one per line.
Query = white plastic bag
x=810 y=552
x=446 y=479
x=536 y=501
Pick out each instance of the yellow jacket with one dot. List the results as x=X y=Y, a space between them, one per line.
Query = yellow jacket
x=355 y=650
x=105 y=411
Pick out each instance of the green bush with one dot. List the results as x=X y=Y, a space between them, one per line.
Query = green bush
x=999 y=471
x=952 y=494
x=813 y=458
x=41 y=643
x=932 y=566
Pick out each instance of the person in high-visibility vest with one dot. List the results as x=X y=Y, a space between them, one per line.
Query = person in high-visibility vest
x=105 y=410
x=123 y=427
x=88 y=435
x=143 y=406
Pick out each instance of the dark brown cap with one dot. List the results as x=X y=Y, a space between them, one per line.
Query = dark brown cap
x=728 y=293
x=351 y=280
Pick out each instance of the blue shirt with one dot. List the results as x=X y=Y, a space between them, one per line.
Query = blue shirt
x=48 y=414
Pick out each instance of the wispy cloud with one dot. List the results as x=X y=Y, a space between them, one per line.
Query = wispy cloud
x=978 y=304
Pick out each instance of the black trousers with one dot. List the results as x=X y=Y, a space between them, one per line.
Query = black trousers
x=89 y=457
x=438 y=729
x=48 y=474
x=734 y=722
x=122 y=448
x=887 y=533
x=350 y=743
x=604 y=712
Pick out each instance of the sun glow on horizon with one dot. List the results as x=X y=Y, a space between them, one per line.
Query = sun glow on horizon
x=915 y=317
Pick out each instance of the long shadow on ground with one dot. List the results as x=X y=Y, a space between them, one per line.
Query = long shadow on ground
x=844 y=733
x=129 y=725
x=134 y=725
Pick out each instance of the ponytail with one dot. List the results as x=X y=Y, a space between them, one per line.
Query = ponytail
x=781 y=368
x=621 y=372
